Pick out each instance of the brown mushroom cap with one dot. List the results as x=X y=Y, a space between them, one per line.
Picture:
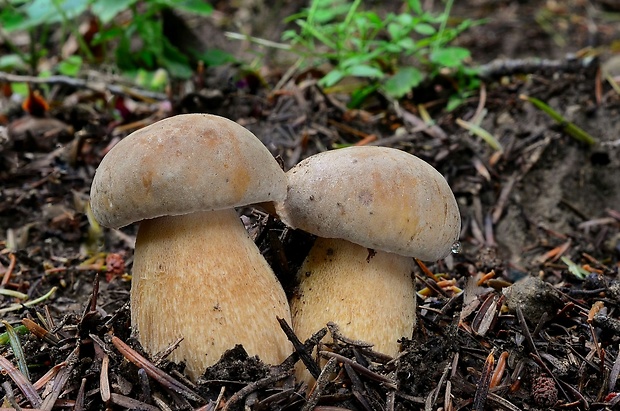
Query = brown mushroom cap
x=377 y=197
x=184 y=164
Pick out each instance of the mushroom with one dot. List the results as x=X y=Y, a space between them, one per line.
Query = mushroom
x=372 y=208
x=197 y=274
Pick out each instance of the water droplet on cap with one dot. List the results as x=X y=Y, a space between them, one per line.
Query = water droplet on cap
x=456 y=247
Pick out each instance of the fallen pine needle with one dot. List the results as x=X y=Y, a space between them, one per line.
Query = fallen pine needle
x=9 y=271
x=482 y=133
x=154 y=372
x=569 y=128
x=22 y=383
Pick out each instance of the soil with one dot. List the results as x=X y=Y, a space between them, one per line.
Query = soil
x=543 y=214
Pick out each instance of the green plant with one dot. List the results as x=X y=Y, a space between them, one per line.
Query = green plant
x=144 y=23
x=394 y=53
x=141 y=21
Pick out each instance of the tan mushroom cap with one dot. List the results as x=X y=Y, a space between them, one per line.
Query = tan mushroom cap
x=184 y=164
x=377 y=197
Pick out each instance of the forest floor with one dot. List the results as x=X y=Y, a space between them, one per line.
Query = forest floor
x=543 y=214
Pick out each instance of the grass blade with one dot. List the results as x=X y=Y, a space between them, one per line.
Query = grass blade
x=482 y=133
x=18 y=352
x=569 y=128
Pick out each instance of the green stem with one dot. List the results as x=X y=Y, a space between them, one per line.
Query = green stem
x=482 y=133
x=20 y=329
x=13 y=293
x=442 y=27
x=80 y=39
x=258 y=40
x=569 y=128
x=344 y=28
x=15 y=307
x=18 y=351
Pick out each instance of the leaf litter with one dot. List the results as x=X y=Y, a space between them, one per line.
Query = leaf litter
x=543 y=209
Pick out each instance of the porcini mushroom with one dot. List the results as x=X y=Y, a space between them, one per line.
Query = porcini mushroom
x=372 y=208
x=197 y=274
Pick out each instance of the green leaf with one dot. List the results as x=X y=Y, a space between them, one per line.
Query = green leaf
x=106 y=10
x=374 y=19
x=360 y=95
x=454 y=101
x=47 y=12
x=20 y=89
x=125 y=59
x=310 y=30
x=331 y=78
x=356 y=59
x=403 y=81
x=405 y=20
x=449 y=56
x=142 y=77
x=151 y=32
x=215 y=57
x=11 y=19
x=199 y=7
x=415 y=6
x=70 y=66
x=395 y=30
x=108 y=35
x=365 y=71
x=575 y=269
x=159 y=80
x=392 y=48
x=175 y=62
x=20 y=329
x=424 y=29
x=177 y=69
x=72 y=8
x=407 y=44
x=330 y=12
x=289 y=35
x=11 y=62
x=153 y=80
x=36 y=13
x=45 y=74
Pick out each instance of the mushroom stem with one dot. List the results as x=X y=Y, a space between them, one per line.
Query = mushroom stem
x=369 y=294
x=201 y=277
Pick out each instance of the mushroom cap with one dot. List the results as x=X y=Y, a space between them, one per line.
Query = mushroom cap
x=377 y=197
x=184 y=164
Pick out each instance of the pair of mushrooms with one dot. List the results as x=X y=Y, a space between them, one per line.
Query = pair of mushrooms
x=198 y=275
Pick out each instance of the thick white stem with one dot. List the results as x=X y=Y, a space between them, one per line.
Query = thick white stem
x=201 y=277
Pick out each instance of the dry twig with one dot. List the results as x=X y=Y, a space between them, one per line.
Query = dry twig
x=155 y=373
x=97 y=86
